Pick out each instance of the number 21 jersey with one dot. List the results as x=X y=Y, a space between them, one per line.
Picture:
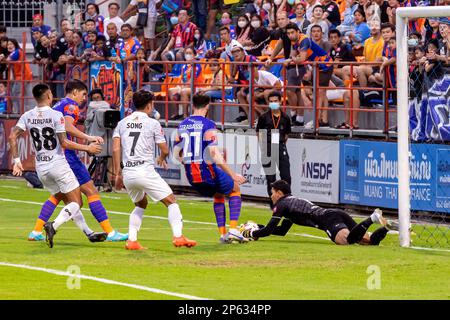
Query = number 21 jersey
x=44 y=123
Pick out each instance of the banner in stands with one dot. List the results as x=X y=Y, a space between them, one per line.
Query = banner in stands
x=369 y=175
x=108 y=76
x=429 y=112
x=315 y=169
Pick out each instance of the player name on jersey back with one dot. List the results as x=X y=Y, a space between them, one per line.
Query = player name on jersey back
x=44 y=124
x=138 y=135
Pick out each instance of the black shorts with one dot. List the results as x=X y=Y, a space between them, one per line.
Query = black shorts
x=325 y=77
x=295 y=76
x=335 y=220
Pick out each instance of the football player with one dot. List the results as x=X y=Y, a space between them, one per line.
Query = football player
x=76 y=92
x=134 y=142
x=206 y=170
x=48 y=133
x=339 y=226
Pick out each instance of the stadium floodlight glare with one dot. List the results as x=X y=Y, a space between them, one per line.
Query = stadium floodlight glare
x=402 y=16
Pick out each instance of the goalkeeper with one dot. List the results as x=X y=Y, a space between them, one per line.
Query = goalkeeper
x=338 y=225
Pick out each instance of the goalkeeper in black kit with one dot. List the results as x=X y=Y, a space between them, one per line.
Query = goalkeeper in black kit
x=339 y=226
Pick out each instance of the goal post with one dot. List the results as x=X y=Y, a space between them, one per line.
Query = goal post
x=403 y=145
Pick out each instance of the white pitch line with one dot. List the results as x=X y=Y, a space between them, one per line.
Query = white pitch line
x=429 y=249
x=107 y=281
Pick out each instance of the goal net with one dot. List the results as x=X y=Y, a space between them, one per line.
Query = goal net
x=423 y=100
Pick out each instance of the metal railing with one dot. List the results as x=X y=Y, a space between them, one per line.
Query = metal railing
x=164 y=101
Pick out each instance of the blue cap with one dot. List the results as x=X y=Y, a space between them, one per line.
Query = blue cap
x=444 y=20
x=34 y=29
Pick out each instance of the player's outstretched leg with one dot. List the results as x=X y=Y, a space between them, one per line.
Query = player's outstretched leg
x=235 y=204
x=67 y=213
x=358 y=232
x=135 y=224
x=220 y=213
x=47 y=210
x=99 y=212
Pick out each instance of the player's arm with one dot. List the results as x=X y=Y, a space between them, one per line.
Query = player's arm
x=74 y=132
x=16 y=132
x=117 y=159
x=218 y=159
x=93 y=148
x=162 y=159
x=281 y=230
x=264 y=232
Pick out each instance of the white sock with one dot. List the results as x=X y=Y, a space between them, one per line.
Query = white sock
x=135 y=223
x=81 y=223
x=67 y=213
x=175 y=219
x=35 y=233
x=374 y=218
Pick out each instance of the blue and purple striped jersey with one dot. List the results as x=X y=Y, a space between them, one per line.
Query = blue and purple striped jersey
x=195 y=134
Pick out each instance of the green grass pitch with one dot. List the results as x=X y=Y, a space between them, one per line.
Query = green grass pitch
x=291 y=267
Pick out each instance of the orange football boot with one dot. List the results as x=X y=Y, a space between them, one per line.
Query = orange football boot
x=134 y=245
x=183 y=242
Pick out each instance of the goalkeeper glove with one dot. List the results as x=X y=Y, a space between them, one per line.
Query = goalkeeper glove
x=247 y=234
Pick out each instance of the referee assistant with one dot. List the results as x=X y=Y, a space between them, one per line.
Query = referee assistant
x=276 y=125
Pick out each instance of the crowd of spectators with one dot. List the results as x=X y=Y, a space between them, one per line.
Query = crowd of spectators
x=266 y=31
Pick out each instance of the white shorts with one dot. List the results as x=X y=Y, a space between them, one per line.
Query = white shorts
x=60 y=179
x=149 y=30
x=140 y=183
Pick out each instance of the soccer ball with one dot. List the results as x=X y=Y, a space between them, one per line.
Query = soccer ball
x=249 y=225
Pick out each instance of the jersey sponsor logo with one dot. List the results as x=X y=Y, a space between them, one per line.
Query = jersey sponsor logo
x=44 y=158
x=70 y=109
x=132 y=164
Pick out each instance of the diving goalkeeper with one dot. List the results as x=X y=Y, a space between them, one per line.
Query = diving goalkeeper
x=339 y=226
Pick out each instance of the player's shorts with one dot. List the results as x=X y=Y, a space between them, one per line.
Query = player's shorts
x=78 y=168
x=222 y=184
x=59 y=179
x=335 y=220
x=142 y=182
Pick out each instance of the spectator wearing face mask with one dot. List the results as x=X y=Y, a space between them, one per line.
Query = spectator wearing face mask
x=199 y=43
x=258 y=38
x=181 y=38
x=243 y=29
x=226 y=21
